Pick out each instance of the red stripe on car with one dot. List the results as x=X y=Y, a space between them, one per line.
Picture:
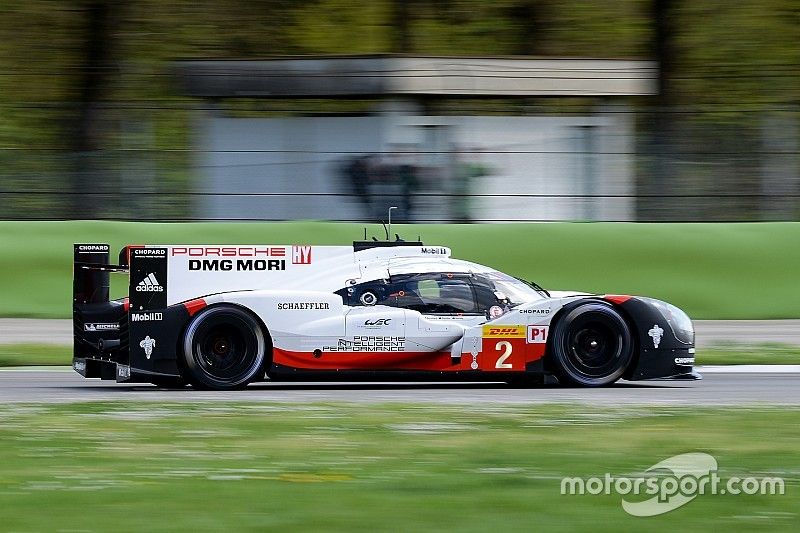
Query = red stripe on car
x=363 y=360
x=193 y=306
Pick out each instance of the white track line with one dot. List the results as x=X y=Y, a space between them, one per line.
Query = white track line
x=748 y=369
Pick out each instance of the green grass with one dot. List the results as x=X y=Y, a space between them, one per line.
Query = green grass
x=344 y=467
x=35 y=355
x=729 y=354
x=713 y=271
x=749 y=354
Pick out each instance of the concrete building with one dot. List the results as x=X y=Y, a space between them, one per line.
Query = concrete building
x=434 y=167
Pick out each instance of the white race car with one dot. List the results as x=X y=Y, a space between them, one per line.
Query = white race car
x=221 y=317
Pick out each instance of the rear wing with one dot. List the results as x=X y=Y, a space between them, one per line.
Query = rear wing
x=90 y=273
x=97 y=322
x=103 y=328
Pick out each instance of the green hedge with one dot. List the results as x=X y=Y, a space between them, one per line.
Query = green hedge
x=713 y=271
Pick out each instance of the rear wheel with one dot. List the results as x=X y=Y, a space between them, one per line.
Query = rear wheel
x=224 y=348
x=591 y=345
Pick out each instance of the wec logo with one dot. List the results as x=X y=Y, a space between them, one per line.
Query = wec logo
x=378 y=322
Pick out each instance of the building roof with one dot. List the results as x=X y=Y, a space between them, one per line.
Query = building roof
x=376 y=76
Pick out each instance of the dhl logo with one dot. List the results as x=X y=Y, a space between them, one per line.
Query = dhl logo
x=506 y=332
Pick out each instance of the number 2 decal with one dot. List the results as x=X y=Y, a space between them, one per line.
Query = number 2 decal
x=507 y=349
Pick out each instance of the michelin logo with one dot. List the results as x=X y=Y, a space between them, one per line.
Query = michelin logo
x=149 y=284
x=101 y=327
x=655 y=333
x=147 y=345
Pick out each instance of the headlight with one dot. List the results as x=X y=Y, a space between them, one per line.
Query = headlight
x=678 y=321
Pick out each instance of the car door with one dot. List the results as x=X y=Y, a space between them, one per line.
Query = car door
x=440 y=306
x=416 y=314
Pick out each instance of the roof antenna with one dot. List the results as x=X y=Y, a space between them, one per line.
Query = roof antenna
x=385 y=230
x=388 y=231
x=365 y=233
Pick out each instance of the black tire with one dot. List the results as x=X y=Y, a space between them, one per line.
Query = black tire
x=591 y=345
x=224 y=348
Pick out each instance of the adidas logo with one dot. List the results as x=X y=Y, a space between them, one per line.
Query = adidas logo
x=149 y=284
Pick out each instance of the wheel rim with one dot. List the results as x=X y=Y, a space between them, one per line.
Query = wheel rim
x=595 y=345
x=221 y=351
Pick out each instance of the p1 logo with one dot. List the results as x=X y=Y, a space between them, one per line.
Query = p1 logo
x=537 y=334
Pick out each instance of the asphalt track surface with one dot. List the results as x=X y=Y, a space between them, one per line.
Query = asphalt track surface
x=708 y=332
x=719 y=387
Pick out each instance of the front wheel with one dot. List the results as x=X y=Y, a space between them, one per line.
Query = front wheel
x=224 y=348
x=591 y=345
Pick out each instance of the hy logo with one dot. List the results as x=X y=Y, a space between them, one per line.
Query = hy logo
x=656 y=332
x=149 y=284
x=147 y=345
x=301 y=255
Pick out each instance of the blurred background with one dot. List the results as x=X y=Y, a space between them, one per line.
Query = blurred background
x=452 y=110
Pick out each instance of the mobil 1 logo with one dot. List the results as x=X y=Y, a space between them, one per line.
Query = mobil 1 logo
x=148 y=279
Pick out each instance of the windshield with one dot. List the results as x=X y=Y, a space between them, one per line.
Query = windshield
x=517 y=291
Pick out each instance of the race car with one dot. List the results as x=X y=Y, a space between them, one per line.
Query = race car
x=222 y=317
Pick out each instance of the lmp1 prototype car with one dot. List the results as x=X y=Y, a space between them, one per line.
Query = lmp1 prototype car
x=221 y=317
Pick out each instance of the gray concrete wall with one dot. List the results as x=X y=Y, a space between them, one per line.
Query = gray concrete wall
x=537 y=168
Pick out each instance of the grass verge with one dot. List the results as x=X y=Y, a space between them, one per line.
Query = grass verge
x=343 y=467
x=729 y=354
x=746 y=354
x=35 y=355
x=713 y=271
